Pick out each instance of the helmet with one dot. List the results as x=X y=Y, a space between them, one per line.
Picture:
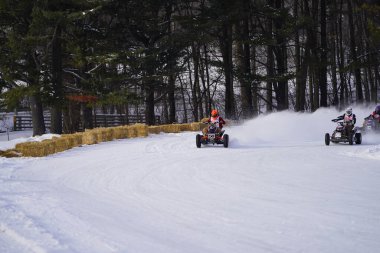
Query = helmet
x=377 y=109
x=214 y=113
x=349 y=111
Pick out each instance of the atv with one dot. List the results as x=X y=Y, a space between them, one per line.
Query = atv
x=370 y=125
x=212 y=137
x=339 y=135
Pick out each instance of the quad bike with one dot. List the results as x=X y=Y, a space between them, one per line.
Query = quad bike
x=212 y=137
x=339 y=135
x=370 y=125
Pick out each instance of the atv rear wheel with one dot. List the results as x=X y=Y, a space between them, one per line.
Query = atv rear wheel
x=358 y=138
x=225 y=140
x=198 y=140
x=327 y=139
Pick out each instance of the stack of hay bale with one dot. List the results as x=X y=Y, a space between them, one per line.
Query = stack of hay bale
x=94 y=136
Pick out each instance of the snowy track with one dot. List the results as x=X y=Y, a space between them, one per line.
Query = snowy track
x=266 y=193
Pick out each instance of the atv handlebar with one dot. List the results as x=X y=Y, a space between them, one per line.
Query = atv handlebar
x=342 y=123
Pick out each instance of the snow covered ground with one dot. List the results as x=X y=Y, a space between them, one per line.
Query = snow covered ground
x=278 y=188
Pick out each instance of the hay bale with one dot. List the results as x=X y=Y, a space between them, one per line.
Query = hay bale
x=24 y=148
x=20 y=147
x=171 y=128
x=185 y=127
x=131 y=132
x=99 y=134
x=89 y=138
x=59 y=145
x=35 y=149
x=125 y=131
x=119 y=132
x=51 y=147
x=141 y=130
x=154 y=129
x=110 y=134
x=195 y=126
x=69 y=139
x=77 y=139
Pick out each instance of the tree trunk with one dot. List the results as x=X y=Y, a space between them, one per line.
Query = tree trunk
x=314 y=62
x=165 y=110
x=171 y=99
x=149 y=103
x=334 y=74
x=209 y=99
x=243 y=56
x=183 y=101
x=37 y=115
x=254 y=83
x=355 y=62
x=206 y=90
x=270 y=62
x=71 y=117
x=323 y=56
x=226 y=49
x=197 y=86
x=300 y=87
x=194 y=97
x=171 y=65
x=311 y=89
x=372 y=62
x=56 y=110
x=281 y=59
x=377 y=79
x=341 y=59
x=87 y=117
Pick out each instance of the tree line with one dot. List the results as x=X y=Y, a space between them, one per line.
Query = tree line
x=181 y=58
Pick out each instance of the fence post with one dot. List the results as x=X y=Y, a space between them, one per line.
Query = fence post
x=14 y=123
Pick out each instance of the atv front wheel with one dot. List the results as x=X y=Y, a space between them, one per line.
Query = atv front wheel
x=198 y=140
x=225 y=140
x=327 y=139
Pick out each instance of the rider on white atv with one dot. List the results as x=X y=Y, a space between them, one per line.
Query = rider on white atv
x=349 y=120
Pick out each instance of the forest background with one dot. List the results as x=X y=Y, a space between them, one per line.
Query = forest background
x=178 y=59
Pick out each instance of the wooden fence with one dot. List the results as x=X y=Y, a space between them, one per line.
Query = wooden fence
x=24 y=122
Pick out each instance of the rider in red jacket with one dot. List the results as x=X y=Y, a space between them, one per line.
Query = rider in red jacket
x=215 y=118
x=375 y=114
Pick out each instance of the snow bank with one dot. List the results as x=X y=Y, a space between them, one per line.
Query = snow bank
x=20 y=137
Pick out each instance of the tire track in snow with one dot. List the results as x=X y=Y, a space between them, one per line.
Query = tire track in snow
x=28 y=245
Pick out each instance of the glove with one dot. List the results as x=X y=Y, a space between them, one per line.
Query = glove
x=334 y=120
